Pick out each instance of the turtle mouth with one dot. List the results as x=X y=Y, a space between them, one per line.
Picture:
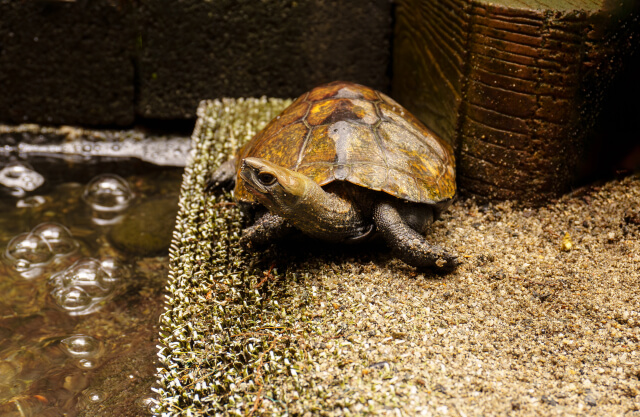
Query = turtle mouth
x=250 y=174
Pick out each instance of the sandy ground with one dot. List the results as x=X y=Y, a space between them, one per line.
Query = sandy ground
x=541 y=318
x=524 y=327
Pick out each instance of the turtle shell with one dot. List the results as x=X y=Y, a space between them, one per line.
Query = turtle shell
x=347 y=132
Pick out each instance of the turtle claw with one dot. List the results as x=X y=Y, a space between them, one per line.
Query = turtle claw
x=409 y=245
x=447 y=262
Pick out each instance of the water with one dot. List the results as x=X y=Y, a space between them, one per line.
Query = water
x=78 y=317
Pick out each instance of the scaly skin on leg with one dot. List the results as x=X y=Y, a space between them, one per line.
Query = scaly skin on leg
x=224 y=177
x=267 y=228
x=409 y=245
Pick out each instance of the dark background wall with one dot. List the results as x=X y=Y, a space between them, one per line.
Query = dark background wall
x=107 y=62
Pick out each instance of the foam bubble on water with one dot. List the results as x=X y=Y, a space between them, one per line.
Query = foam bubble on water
x=147 y=403
x=114 y=269
x=84 y=286
x=29 y=252
x=86 y=364
x=94 y=395
x=88 y=275
x=57 y=237
x=73 y=299
x=20 y=178
x=108 y=195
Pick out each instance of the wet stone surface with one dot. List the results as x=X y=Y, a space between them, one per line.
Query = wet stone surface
x=78 y=317
x=146 y=229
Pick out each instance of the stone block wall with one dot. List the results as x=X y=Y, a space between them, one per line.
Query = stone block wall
x=195 y=50
x=106 y=62
x=66 y=62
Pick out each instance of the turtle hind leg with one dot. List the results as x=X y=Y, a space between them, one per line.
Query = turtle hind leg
x=409 y=245
x=223 y=178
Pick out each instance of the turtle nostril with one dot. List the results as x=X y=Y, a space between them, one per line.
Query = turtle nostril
x=266 y=179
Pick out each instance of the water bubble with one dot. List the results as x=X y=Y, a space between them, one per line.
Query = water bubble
x=29 y=252
x=82 y=346
x=114 y=269
x=57 y=237
x=88 y=275
x=108 y=192
x=73 y=299
x=86 y=364
x=148 y=403
x=20 y=178
x=94 y=395
x=107 y=195
x=82 y=287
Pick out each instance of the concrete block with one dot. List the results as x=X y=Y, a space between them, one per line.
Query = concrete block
x=193 y=50
x=66 y=62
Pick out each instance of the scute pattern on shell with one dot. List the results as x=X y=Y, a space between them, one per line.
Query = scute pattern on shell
x=348 y=132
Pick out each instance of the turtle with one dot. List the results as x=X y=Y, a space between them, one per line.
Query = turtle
x=344 y=162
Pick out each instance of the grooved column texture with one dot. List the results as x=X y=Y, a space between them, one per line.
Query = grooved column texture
x=514 y=85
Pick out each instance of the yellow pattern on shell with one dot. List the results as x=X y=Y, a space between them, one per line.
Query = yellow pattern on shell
x=347 y=132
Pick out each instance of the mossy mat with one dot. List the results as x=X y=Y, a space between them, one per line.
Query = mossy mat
x=542 y=317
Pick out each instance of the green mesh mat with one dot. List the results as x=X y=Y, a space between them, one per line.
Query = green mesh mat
x=224 y=333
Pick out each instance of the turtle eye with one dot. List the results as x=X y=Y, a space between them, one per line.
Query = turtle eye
x=266 y=179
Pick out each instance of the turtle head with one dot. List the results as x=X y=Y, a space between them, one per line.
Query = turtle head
x=277 y=188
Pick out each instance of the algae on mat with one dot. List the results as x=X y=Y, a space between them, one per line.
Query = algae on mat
x=527 y=325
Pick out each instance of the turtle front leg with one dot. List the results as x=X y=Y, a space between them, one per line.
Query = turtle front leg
x=267 y=228
x=409 y=245
x=224 y=177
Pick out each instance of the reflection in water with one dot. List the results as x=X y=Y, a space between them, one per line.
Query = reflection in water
x=77 y=316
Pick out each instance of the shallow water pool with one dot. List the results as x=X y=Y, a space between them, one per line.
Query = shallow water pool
x=81 y=286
